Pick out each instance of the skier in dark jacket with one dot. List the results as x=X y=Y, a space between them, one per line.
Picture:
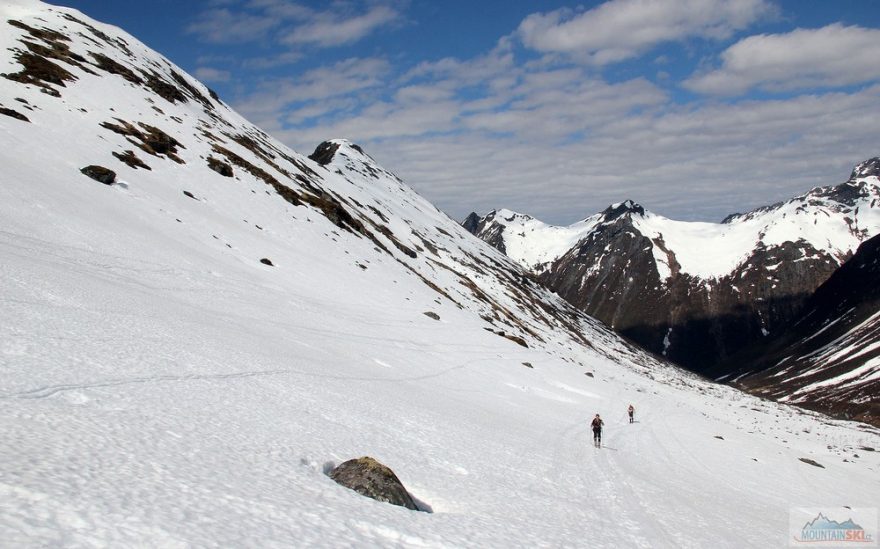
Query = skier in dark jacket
x=597 y=430
x=631 y=411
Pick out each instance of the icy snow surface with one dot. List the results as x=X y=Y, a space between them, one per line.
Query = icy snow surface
x=161 y=387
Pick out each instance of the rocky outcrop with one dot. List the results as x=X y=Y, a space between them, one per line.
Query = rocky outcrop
x=368 y=477
x=100 y=174
x=324 y=152
x=472 y=223
x=488 y=231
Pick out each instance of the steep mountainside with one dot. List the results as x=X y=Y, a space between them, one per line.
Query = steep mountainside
x=696 y=292
x=139 y=116
x=197 y=323
x=829 y=359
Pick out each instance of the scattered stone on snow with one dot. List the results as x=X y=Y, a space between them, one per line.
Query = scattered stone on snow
x=100 y=174
x=811 y=462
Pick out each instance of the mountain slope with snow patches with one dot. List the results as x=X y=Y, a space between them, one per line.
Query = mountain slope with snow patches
x=696 y=292
x=185 y=352
x=830 y=358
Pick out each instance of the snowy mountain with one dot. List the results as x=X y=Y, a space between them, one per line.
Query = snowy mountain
x=696 y=292
x=829 y=359
x=198 y=323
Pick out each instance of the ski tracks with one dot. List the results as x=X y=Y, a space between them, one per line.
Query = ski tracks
x=51 y=390
x=601 y=488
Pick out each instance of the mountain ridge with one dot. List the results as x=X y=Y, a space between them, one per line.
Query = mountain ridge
x=697 y=293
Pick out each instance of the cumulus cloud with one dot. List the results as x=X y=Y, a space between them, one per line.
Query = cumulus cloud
x=328 y=29
x=208 y=74
x=623 y=29
x=552 y=137
x=268 y=104
x=830 y=56
x=685 y=163
x=289 y=23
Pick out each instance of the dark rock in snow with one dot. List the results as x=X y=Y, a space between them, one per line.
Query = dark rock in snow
x=811 y=462
x=368 y=477
x=267 y=261
x=866 y=169
x=323 y=154
x=14 y=114
x=220 y=167
x=189 y=194
x=527 y=364
x=472 y=223
x=131 y=159
x=100 y=174
x=431 y=314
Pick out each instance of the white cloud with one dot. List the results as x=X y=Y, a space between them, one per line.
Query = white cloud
x=224 y=26
x=622 y=29
x=208 y=74
x=290 y=24
x=328 y=29
x=691 y=163
x=268 y=105
x=553 y=138
x=831 y=56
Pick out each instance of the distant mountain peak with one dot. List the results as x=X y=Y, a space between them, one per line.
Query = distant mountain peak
x=622 y=208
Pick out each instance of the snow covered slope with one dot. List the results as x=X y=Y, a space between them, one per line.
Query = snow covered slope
x=696 y=292
x=184 y=353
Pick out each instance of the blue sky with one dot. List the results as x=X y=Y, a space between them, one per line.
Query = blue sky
x=694 y=108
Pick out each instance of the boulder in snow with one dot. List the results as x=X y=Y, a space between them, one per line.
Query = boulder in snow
x=368 y=477
x=100 y=174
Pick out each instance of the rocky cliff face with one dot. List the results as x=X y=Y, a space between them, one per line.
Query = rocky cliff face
x=612 y=276
x=829 y=358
